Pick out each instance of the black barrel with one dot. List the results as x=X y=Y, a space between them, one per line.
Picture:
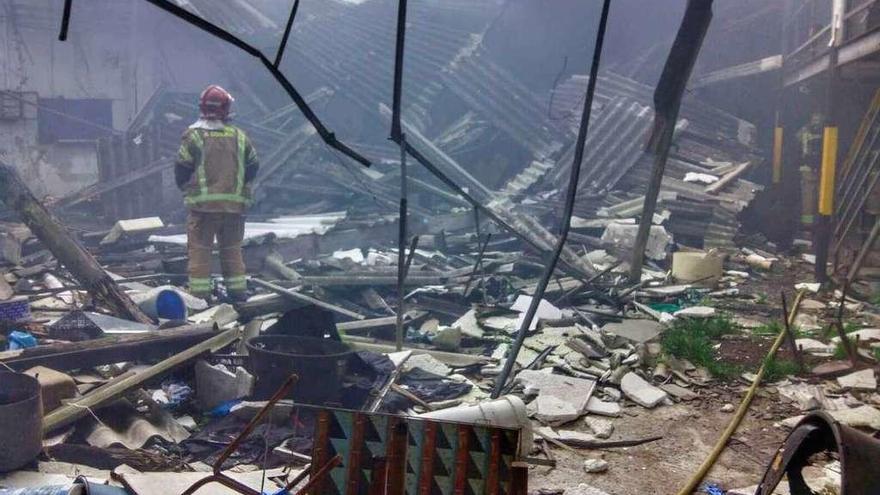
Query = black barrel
x=21 y=420
x=319 y=363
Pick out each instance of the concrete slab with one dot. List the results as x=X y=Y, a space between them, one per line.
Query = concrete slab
x=575 y=391
x=638 y=331
x=860 y=380
x=641 y=392
x=602 y=408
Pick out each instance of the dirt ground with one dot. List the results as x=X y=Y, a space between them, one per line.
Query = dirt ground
x=689 y=430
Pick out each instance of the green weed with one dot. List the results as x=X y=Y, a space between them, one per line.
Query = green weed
x=773 y=328
x=692 y=339
x=777 y=369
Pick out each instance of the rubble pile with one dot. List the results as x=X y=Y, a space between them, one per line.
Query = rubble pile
x=147 y=388
x=155 y=397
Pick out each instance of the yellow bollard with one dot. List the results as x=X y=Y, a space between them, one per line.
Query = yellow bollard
x=829 y=166
x=777 y=155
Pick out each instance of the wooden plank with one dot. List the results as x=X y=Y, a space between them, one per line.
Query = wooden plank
x=728 y=178
x=73 y=411
x=291 y=294
x=107 y=350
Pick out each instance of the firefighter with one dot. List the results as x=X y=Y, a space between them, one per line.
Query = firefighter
x=810 y=138
x=215 y=166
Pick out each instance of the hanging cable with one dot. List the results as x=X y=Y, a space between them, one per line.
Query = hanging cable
x=398 y=136
x=287 y=30
x=65 y=20
x=326 y=135
x=569 y=206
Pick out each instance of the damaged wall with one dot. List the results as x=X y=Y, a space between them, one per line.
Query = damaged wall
x=62 y=96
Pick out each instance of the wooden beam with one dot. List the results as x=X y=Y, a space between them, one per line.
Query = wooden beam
x=146 y=346
x=65 y=247
x=74 y=410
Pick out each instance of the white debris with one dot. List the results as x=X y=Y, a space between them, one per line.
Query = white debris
x=863 y=335
x=426 y=363
x=860 y=380
x=812 y=304
x=809 y=287
x=865 y=417
x=859 y=417
x=595 y=465
x=575 y=391
x=641 y=392
x=552 y=410
x=585 y=489
x=355 y=255
x=602 y=408
x=814 y=346
x=601 y=428
x=623 y=236
x=696 y=312
x=700 y=178
x=575 y=436
x=546 y=311
x=469 y=325
x=727 y=408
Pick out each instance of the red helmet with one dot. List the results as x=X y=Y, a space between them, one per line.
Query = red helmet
x=215 y=103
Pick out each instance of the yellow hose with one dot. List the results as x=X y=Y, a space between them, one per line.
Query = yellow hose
x=743 y=407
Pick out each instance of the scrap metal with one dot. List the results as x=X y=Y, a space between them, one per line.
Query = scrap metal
x=820 y=432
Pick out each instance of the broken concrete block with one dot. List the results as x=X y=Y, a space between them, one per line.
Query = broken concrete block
x=575 y=391
x=859 y=417
x=222 y=314
x=863 y=417
x=602 y=408
x=601 y=428
x=635 y=330
x=696 y=312
x=612 y=393
x=860 y=380
x=132 y=226
x=546 y=311
x=55 y=386
x=355 y=255
x=469 y=325
x=574 y=436
x=624 y=236
x=641 y=392
x=863 y=335
x=809 y=287
x=814 y=346
x=447 y=338
x=426 y=363
x=595 y=465
x=584 y=489
x=500 y=352
x=216 y=384
x=812 y=304
x=552 y=410
x=680 y=393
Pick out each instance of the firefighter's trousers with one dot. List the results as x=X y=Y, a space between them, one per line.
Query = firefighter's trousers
x=228 y=229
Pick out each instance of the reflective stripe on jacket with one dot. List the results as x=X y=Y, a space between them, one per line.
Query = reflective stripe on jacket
x=219 y=159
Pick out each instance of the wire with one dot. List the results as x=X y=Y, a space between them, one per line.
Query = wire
x=555 y=85
x=571 y=196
